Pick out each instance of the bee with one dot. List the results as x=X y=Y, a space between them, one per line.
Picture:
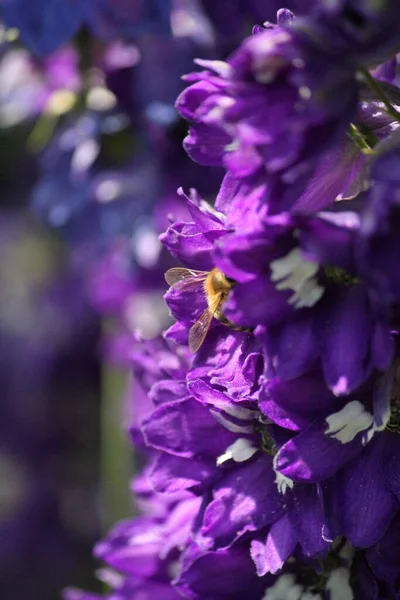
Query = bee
x=216 y=287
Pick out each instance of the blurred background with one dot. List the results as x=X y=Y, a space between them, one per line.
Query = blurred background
x=90 y=160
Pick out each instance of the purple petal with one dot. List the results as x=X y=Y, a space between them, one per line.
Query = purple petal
x=132 y=547
x=145 y=590
x=227 y=192
x=365 y=586
x=333 y=174
x=382 y=346
x=245 y=499
x=233 y=416
x=271 y=305
x=243 y=162
x=312 y=456
x=292 y=347
x=186 y=304
x=231 y=360
x=391 y=462
x=244 y=256
x=189 y=245
x=329 y=239
x=307 y=518
x=178 y=332
x=191 y=98
x=270 y=552
x=178 y=526
x=384 y=556
x=186 y=428
x=297 y=403
x=206 y=144
x=367 y=505
x=164 y=392
x=345 y=325
x=202 y=213
x=224 y=575
x=172 y=474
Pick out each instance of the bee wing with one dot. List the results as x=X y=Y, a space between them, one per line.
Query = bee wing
x=180 y=274
x=198 y=331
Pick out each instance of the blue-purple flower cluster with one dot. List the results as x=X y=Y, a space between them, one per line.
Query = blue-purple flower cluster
x=269 y=413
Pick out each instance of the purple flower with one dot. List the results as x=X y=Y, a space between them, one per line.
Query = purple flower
x=265 y=115
x=303 y=271
x=338 y=174
x=378 y=244
x=310 y=309
x=271 y=455
x=221 y=451
x=226 y=575
x=144 y=547
x=192 y=243
x=231 y=361
x=351 y=448
x=383 y=559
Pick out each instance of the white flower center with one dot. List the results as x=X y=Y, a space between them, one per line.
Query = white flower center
x=345 y=424
x=239 y=451
x=293 y=272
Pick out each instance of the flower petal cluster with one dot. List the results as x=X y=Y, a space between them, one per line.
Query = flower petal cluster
x=269 y=111
x=305 y=231
x=271 y=444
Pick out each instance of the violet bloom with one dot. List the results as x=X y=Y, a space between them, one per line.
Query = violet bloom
x=378 y=243
x=244 y=497
x=233 y=533
x=265 y=115
x=313 y=306
x=152 y=361
x=230 y=359
x=307 y=310
x=383 y=560
x=220 y=450
x=192 y=243
x=349 y=445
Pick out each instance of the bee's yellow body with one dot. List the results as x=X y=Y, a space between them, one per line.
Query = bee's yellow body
x=216 y=287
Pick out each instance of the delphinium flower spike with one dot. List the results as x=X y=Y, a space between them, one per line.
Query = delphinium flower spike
x=274 y=442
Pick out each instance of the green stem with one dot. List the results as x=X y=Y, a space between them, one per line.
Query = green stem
x=359 y=139
x=368 y=136
x=375 y=87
